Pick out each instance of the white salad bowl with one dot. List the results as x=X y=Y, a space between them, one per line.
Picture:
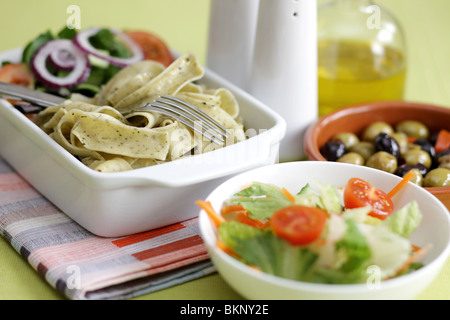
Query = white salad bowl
x=123 y=203
x=252 y=284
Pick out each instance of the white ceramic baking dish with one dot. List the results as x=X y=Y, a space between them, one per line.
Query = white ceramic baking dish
x=123 y=203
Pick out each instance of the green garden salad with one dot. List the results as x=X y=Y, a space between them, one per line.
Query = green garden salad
x=81 y=61
x=320 y=234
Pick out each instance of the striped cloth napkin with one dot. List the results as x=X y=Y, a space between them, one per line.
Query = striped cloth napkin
x=81 y=265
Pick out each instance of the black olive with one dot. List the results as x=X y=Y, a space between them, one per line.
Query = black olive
x=404 y=168
x=384 y=142
x=333 y=150
x=426 y=146
x=433 y=138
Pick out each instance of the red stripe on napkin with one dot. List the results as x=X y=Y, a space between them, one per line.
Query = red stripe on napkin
x=169 y=248
x=147 y=235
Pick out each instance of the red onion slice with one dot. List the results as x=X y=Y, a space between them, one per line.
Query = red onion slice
x=82 y=41
x=63 y=60
x=78 y=74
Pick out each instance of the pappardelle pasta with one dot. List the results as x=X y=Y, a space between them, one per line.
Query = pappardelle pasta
x=109 y=134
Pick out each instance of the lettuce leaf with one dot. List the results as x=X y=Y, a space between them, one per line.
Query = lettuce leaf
x=389 y=249
x=309 y=197
x=330 y=197
x=361 y=215
x=258 y=189
x=356 y=248
x=263 y=249
x=261 y=208
x=261 y=200
x=34 y=45
x=406 y=220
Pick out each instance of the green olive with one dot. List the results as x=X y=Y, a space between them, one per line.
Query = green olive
x=445 y=165
x=415 y=156
x=439 y=177
x=374 y=129
x=382 y=160
x=413 y=128
x=353 y=158
x=444 y=161
x=349 y=139
x=364 y=148
x=413 y=146
x=417 y=178
x=402 y=140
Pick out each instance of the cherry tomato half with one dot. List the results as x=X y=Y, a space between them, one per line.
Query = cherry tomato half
x=360 y=193
x=153 y=47
x=17 y=73
x=299 y=225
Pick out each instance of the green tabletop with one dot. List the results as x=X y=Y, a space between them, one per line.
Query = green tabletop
x=184 y=26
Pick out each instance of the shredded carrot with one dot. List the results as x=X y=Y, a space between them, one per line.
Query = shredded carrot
x=243 y=217
x=266 y=225
x=239 y=213
x=288 y=195
x=222 y=246
x=416 y=255
x=401 y=184
x=232 y=208
x=206 y=205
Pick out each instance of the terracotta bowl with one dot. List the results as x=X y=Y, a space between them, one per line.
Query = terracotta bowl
x=356 y=118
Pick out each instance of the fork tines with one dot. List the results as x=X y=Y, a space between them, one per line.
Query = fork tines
x=189 y=115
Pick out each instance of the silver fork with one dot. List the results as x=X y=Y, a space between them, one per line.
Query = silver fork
x=189 y=115
x=173 y=107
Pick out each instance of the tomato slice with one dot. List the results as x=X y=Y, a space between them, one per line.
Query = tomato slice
x=17 y=73
x=360 y=193
x=299 y=225
x=154 y=48
x=442 y=141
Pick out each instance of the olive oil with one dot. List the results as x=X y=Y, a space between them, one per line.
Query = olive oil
x=352 y=72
